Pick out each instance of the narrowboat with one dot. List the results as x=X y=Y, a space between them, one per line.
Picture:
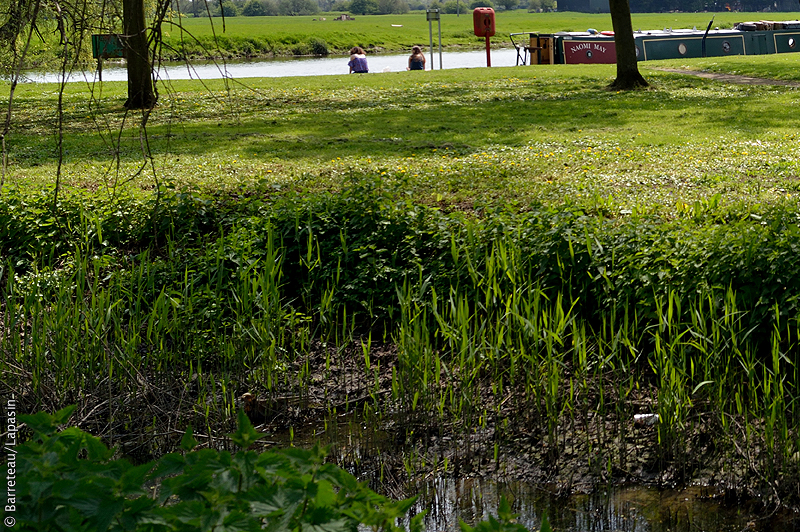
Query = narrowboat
x=592 y=46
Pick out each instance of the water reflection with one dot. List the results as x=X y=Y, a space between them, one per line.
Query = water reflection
x=616 y=509
x=365 y=451
x=283 y=67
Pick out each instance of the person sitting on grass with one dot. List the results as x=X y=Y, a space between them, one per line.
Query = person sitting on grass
x=417 y=59
x=358 y=61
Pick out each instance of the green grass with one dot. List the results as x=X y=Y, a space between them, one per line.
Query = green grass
x=529 y=253
x=778 y=66
x=552 y=131
x=376 y=31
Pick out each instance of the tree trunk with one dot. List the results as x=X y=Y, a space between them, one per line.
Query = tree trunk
x=628 y=76
x=141 y=93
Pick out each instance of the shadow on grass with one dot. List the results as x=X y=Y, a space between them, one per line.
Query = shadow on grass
x=462 y=116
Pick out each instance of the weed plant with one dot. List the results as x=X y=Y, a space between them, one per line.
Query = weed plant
x=70 y=477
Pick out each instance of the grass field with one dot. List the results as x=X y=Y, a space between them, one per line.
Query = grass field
x=686 y=139
x=393 y=33
x=514 y=252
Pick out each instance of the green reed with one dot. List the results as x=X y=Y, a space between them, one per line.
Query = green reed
x=503 y=337
x=122 y=331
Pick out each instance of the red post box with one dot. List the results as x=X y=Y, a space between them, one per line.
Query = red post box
x=483 y=19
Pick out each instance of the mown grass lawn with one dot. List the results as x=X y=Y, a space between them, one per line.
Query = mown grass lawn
x=551 y=134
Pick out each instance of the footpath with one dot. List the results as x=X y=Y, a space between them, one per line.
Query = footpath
x=731 y=78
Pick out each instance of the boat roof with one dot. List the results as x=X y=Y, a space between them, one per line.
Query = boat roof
x=762 y=25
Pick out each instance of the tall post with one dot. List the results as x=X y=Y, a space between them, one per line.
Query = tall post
x=430 y=34
x=483 y=25
x=440 y=45
x=431 y=15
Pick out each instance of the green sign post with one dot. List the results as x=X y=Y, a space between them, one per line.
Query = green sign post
x=106 y=46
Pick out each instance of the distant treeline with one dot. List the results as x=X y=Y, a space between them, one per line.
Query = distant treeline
x=687 y=6
x=261 y=8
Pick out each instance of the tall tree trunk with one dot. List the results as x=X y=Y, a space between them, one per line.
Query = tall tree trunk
x=141 y=93
x=628 y=76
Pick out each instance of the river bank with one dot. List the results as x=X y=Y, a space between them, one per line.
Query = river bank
x=241 y=38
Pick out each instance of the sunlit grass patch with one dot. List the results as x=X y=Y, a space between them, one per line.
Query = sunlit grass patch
x=684 y=139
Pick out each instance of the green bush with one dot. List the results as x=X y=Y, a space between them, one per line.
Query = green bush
x=69 y=480
x=227 y=8
x=301 y=49
x=363 y=7
x=453 y=6
x=370 y=237
x=319 y=47
x=297 y=7
x=255 y=8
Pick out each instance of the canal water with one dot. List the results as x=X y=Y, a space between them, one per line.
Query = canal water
x=283 y=67
x=611 y=509
x=447 y=500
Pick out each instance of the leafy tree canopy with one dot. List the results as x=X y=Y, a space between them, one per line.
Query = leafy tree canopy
x=364 y=7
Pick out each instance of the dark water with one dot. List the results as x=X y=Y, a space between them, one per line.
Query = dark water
x=283 y=67
x=610 y=509
x=613 y=509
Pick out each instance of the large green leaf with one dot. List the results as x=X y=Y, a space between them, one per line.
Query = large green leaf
x=245 y=435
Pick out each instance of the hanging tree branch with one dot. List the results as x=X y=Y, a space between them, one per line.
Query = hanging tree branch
x=19 y=60
x=20 y=13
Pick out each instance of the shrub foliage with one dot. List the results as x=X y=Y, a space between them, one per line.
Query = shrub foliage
x=69 y=480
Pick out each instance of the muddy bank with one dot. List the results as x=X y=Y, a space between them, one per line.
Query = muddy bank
x=597 y=473
x=347 y=397
x=504 y=438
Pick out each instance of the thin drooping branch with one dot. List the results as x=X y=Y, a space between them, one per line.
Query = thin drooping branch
x=74 y=19
x=60 y=107
x=72 y=42
x=19 y=60
x=21 y=12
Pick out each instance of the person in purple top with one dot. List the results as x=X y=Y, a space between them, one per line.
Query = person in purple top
x=358 y=61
